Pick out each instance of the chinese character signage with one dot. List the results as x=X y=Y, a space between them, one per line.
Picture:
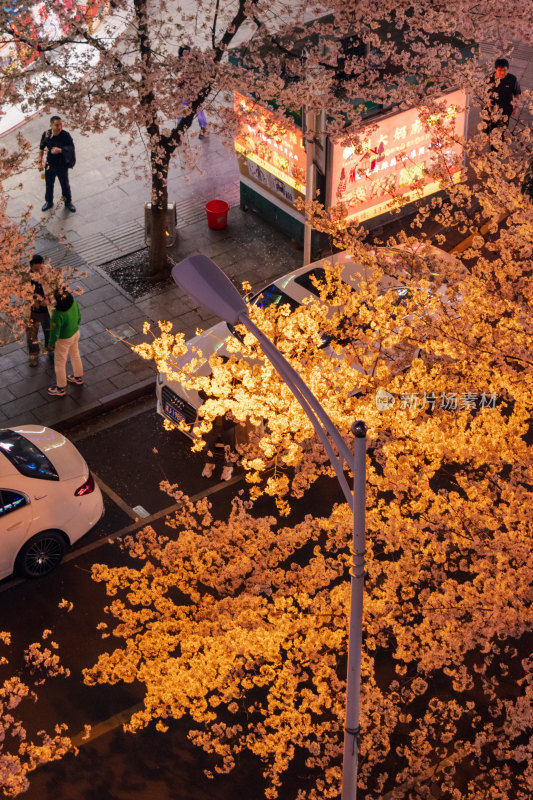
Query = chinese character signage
x=393 y=162
x=272 y=153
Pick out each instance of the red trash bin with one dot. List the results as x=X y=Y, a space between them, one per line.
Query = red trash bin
x=217 y=214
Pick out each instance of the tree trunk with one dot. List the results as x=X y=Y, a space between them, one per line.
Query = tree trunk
x=158 y=263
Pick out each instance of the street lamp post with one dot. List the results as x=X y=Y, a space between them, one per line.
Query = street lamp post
x=310 y=120
x=211 y=288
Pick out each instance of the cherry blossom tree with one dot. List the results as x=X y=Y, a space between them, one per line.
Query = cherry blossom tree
x=19 y=755
x=240 y=625
x=137 y=83
x=18 y=233
x=15 y=242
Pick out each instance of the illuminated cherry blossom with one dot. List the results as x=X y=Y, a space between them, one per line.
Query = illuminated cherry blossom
x=18 y=754
x=240 y=625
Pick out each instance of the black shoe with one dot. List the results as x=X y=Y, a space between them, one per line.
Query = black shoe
x=47 y=207
x=71 y=207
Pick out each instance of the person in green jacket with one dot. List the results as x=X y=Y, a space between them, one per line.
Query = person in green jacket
x=64 y=338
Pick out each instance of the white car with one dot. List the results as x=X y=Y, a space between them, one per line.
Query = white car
x=48 y=499
x=178 y=403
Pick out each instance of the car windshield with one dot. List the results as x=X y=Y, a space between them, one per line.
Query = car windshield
x=272 y=295
x=306 y=280
x=26 y=457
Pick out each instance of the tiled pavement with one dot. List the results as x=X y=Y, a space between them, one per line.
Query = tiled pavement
x=104 y=246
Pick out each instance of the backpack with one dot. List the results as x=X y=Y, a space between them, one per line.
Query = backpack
x=69 y=155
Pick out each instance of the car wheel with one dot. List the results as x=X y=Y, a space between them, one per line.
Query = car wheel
x=41 y=554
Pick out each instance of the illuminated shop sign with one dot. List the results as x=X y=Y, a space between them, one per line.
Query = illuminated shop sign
x=393 y=162
x=275 y=148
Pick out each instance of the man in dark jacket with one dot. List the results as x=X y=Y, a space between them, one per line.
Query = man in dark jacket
x=503 y=89
x=60 y=155
x=39 y=316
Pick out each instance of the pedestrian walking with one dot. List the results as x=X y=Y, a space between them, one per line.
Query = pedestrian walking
x=220 y=442
x=39 y=314
x=60 y=157
x=503 y=90
x=64 y=338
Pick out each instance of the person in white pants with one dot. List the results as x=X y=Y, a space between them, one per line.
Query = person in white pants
x=64 y=338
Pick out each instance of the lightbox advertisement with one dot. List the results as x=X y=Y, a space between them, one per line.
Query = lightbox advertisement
x=272 y=152
x=393 y=162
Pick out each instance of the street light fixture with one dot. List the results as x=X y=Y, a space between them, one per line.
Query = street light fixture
x=202 y=280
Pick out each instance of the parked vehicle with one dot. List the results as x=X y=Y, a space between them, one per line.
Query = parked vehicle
x=48 y=499
x=178 y=403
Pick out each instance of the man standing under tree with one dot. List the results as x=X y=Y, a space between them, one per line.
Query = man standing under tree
x=503 y=88
x=60 y=157
x=39 y=316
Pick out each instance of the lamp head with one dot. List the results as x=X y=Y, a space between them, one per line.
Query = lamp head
x=202 y=280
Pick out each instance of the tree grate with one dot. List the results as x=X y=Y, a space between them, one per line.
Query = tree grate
x=129 y=272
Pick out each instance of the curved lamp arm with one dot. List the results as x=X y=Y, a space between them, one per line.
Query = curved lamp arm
x=210 y=287
x=206 y=283
x=312 y=408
